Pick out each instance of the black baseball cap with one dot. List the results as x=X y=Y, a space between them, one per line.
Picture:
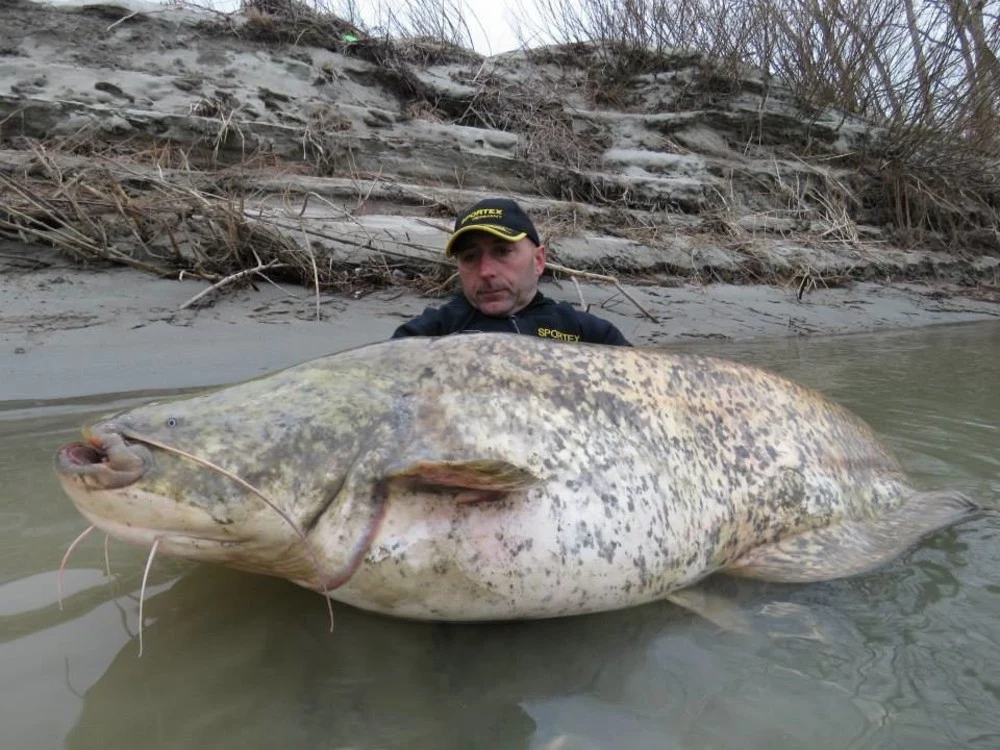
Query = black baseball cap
x=500 y=217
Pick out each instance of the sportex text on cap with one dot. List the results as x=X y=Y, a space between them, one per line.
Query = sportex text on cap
x=500 y=217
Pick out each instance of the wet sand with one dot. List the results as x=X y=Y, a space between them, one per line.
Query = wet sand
x=67 y=332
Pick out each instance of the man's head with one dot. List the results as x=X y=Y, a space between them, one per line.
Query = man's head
x=499 y=254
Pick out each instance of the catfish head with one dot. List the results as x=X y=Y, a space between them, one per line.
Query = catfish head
x=241 y=475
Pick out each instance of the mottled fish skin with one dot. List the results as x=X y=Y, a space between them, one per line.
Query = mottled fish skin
x=654 y=470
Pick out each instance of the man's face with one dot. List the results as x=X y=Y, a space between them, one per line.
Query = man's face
x=499 y=278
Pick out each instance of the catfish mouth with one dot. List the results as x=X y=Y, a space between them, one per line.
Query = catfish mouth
x=106 y=461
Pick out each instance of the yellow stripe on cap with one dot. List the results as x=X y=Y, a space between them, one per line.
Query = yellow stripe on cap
x=494 y=229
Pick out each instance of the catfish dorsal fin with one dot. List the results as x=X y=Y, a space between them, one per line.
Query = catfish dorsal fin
x=489 y=475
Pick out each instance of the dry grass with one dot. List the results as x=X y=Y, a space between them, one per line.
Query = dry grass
x=172 y=230
x=289 y=22
x=119 y=214
x=926 y=173
x=929 y=176
x=532 y=108
x=418 y=35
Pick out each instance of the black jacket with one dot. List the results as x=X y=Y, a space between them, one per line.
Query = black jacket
x=542 y=317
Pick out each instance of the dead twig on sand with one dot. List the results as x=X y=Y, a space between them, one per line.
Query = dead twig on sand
x=601 y=277
x=444 y=285
x=579 y=290
x=230 y=279
x=315 y=270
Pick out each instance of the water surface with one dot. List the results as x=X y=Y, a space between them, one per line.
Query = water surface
x=906 y=657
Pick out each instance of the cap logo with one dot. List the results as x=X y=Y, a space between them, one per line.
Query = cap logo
x=484 y=213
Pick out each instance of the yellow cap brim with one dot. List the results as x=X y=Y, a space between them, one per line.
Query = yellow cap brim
x=497 y=231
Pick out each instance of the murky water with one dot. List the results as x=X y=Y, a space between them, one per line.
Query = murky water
x=907 y=657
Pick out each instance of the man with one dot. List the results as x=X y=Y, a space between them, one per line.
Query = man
x=500 y=259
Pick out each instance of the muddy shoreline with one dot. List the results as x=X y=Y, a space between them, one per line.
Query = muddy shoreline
x=225 y=144
x=68 y=332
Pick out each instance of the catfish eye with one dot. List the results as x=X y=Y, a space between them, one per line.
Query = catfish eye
x=173 y=421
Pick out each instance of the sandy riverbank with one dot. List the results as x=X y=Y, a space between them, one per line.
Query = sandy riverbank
x=186 y=139
x=67 y=332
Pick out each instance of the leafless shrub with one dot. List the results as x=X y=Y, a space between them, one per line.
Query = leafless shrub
x=883 y=59
x=926 y=73
x=938 y=191
x=443 y=21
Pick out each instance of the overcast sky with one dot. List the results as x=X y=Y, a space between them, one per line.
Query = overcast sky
x=492 y=22
x=494 y=16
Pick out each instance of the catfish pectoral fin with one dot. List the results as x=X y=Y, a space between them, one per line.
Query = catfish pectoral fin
x=486 y=475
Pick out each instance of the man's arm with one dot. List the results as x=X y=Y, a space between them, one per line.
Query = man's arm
x=596 y=330
x=428 y=323
x=613 y=337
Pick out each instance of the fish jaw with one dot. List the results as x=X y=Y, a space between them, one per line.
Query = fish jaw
x=103 y=476
x=115 y=482
x=136 y=516
x=105 y=461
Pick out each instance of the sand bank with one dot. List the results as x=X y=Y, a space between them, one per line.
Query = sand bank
x=67 y=332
